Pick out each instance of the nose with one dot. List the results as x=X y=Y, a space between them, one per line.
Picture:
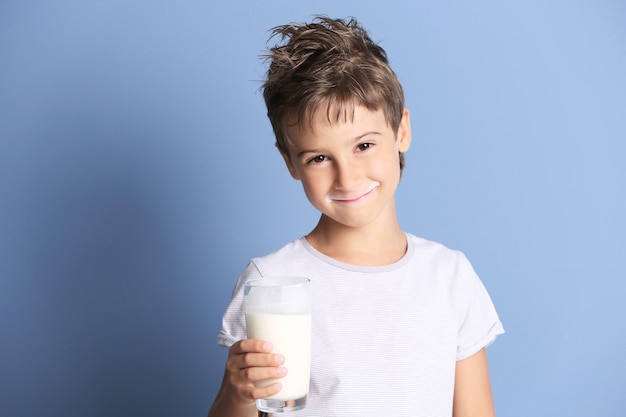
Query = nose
x=346 y=174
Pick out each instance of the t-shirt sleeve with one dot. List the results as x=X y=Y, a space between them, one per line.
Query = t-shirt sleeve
x=479 y=324
x=233 y=322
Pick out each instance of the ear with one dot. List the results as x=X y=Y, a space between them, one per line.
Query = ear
x=404 y=132
x=290 y=166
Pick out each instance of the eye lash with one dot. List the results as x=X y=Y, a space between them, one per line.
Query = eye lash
x=314 y=160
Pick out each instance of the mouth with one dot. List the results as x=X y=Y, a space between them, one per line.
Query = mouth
x=355 y=198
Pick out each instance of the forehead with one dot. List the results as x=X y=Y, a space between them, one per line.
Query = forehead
x=331 y=115
x=340 y=124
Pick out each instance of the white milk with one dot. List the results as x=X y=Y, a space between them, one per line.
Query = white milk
x=290 y=334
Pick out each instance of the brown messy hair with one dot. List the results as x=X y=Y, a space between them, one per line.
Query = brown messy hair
x=330 y=65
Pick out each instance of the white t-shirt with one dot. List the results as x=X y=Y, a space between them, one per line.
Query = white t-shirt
x=385 y=338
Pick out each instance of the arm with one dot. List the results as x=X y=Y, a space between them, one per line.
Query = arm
x=472 y=390
x=248 y=361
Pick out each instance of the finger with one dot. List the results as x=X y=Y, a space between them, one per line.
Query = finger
x=254 y=366
x=266 y=391
x=250 y=353
x=251 y=345
x=247 y=360
x=244 y=382
x=260 y=373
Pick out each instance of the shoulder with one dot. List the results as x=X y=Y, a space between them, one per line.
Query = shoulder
x=284 y=258
x=434 y=251
x=435 y=261
x=271 y=264
x=294 y=247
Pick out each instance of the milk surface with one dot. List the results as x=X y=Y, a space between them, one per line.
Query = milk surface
x=290 y=335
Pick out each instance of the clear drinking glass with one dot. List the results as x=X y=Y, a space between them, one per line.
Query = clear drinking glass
x=278 y=310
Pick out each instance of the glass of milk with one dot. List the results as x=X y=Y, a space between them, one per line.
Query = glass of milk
x=278 y=310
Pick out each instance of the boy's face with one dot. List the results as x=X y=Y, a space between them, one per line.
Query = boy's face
x=349 y=170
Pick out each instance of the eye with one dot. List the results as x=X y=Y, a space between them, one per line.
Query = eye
x=317 y=159
x=364 y=146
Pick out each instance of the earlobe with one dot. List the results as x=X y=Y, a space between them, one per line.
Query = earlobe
x=290 y=167
x=404 y=131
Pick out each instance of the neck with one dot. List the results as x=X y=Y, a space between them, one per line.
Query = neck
x=371 y=245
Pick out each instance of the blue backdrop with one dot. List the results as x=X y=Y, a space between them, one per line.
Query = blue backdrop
x=138 y=176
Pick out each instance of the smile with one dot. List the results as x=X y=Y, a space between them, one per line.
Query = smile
x=358 y=197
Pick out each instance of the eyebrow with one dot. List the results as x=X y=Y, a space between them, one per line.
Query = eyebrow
x=356 y=139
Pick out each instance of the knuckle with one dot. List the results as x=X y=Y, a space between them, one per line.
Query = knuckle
x=245 y=394
x=234 y=347
x=246 y=359
x=241 y=345
x=258 y=395
x=231 y=365
x=248 y=345
x=249 y=374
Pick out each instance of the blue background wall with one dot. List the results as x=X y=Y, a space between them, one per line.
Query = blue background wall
x=138 y=176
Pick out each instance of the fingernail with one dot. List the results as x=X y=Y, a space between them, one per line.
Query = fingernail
x=279 y=359
x=281 y=371
x=267 y=347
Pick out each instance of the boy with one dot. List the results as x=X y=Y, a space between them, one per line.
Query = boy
x=400 y=324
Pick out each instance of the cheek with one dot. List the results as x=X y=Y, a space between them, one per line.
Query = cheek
x=313 y=188
x=389 y=169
